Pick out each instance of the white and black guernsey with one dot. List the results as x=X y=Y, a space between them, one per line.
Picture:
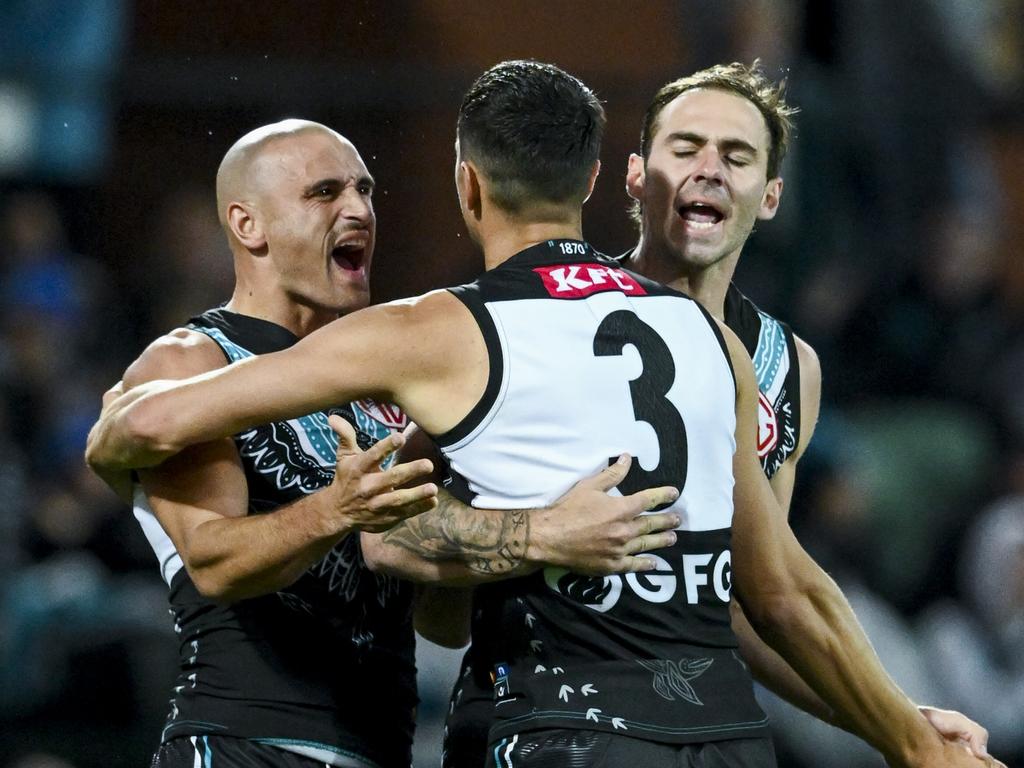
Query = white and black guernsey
x=772 y=347
x=325 y=667
x=588 y=360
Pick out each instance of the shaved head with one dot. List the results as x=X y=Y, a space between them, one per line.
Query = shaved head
x=296 y=203
x=241 y=176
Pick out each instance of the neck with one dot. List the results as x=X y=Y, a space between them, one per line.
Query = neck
x=707 y=284
x=504 y=236
x=256 y=300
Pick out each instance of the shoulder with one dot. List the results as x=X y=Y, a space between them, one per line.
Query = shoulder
x=739 y=358
x=175 y=355
x=810 y=392
x=435 y=318
x=810 y=366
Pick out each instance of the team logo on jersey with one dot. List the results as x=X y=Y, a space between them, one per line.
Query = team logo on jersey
x=702 y=576
x=672 y=678
x=599 y=593
x=388 y=414
x=574 y=281
x=767 y=426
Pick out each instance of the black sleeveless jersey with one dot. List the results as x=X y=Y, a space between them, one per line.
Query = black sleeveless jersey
x=588 y=360
x=771 y=346
x=325 y=666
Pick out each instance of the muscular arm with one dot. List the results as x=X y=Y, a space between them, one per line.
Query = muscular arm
x=802 y=614
x=586 y=531
x=200 y=496
x=440 y=374
x=766 y=665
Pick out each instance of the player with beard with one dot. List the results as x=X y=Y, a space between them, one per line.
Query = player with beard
x=549 y=364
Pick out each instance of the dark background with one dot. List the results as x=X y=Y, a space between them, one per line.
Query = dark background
x=897 y=254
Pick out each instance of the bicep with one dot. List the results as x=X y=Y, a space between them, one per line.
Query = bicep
x=784 y=479
x=782 y=483
x=350 y=358
x=203 y=483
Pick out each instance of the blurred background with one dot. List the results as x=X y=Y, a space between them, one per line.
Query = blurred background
x=897 y=254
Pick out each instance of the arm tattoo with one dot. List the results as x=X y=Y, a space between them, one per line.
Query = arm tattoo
x=487 y=541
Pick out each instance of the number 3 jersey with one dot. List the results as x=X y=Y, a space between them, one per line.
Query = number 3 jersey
x=588 y=361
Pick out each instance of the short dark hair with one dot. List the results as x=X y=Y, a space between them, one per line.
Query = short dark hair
x=752 y=84
x=534 y=131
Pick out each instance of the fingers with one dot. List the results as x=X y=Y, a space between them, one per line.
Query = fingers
x=633 y=564
x=609 y=477
x=113 y=393
x=660 y=521
x=347 y=443
x=650 y=542
x=403 y=474
x=977 y=741
x=407 y=502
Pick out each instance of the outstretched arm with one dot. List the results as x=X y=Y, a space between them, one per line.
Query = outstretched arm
x=440 y=373
x=766 y=665
x=200 y=497
x=799 y=610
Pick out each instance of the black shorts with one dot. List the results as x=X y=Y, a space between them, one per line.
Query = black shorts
x=596 y=749
x=226 y=752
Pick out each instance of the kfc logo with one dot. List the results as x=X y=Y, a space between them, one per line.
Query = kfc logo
x=574 y=281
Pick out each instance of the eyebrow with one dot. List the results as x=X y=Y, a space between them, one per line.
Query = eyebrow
x=727 y=144
x=338 y=183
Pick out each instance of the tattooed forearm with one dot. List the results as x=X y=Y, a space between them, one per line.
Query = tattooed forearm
x=486 y=541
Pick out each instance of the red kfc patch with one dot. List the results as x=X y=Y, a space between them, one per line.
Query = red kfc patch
x=574 y=281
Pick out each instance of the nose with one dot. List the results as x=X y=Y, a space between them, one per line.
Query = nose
x=356 y=206
x=709 y=167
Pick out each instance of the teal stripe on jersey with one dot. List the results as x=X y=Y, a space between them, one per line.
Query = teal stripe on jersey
x=319 y=433
x=770 y=352
x=232 y=350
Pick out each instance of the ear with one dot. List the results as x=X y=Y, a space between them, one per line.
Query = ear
x=470 y=193
x=635 y=177
x=770 y=199
x=594 y=172
x=245 y=226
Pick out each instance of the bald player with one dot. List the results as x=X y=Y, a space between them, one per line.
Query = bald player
x=291 y=652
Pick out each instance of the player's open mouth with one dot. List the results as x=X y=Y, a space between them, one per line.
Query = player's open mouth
x=349 y=256
x=700 y=216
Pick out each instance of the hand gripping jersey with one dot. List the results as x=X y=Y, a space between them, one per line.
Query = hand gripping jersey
x=588 y=360
x=325 y=667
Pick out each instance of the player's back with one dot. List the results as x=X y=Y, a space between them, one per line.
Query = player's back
x=588 y=361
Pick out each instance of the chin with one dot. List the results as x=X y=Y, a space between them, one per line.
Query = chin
x=352 y=301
